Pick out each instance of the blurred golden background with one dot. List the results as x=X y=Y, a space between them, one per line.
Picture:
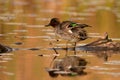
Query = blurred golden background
x=24 y=20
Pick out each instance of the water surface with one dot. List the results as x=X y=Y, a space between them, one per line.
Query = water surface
x=22 y=21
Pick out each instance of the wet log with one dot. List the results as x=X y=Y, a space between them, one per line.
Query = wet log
x=101 y=44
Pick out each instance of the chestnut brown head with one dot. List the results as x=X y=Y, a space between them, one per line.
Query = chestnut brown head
x=53 y=22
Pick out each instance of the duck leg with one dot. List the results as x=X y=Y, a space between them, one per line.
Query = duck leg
x=56 y=52
x=75 y=48
x=66 y=48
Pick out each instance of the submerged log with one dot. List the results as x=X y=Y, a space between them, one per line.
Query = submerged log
x=101 y=44
x=103 y=47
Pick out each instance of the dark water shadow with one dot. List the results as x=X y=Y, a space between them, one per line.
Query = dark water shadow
x=7 y=49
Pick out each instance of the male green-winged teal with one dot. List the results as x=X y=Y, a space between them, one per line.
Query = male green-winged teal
x=69 y=30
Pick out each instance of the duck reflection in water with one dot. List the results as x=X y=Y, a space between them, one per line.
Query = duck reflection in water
x=67 y=66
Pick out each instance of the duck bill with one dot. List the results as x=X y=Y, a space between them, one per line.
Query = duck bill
x=89 y=26
x=47 y=25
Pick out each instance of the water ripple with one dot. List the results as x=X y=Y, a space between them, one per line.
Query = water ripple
x=6 y=54
x=45 y=37
x=115 y=62
x=110 y=73
x=6 y=59
x=8 y=73
x=35 y=26
x=15 y=23
x=20 y=30
x=102 y=68
x=3 y=61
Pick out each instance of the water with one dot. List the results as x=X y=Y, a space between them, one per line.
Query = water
x=22 y=28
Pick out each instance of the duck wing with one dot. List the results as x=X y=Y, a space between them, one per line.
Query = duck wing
x=74 y=29
x=80 y=33
x=66 y=24
x=71 y=24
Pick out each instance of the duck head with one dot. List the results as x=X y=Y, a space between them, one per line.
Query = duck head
x=53 y=22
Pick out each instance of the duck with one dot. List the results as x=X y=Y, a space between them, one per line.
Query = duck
x=69 y=30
